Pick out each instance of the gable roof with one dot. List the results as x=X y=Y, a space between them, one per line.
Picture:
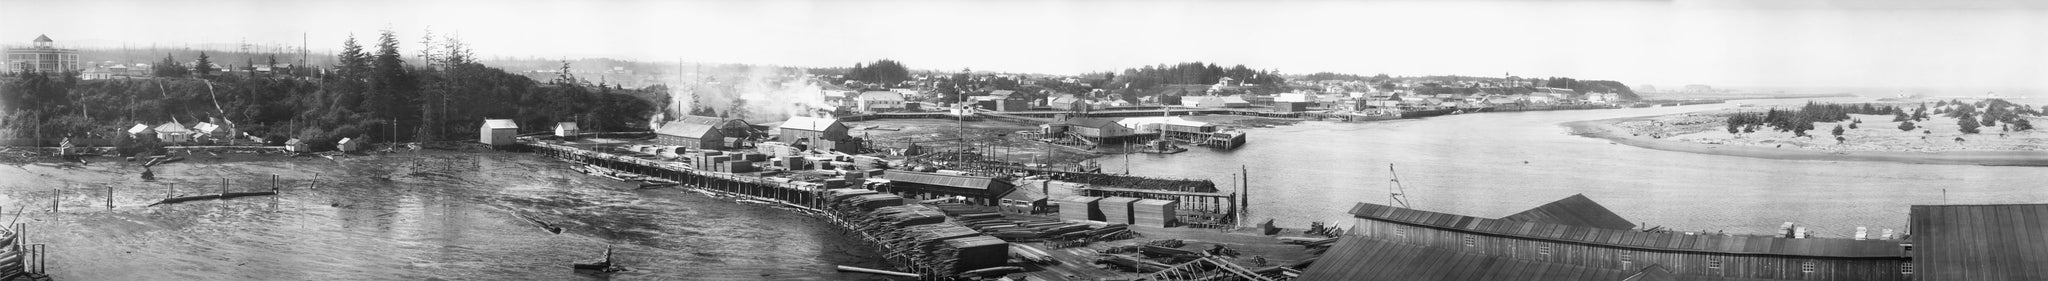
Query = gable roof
x=1575 y=210
x=565 y=125
x=809 y=123
x=1631 y=239
x=959 y=181
x=1089 y=122
x=1980 y=242
x=1002 y=93
x=1066 y=98
x=43 y=38
x=500 y=124
x=172 y=127
x=881 y=96
x=685 y=129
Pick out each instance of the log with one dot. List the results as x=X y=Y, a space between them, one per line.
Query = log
x=877 y=271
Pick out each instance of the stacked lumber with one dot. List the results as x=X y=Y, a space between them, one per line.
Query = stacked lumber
x=1080 y=208
x=1153 y=212
x=11 y=257
x=1116 y=209
x=909 y=215
x=871 y=202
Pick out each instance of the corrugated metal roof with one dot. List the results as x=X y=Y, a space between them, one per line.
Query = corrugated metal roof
x=1812 y=247
x=500 y=124
x=960 y=181
x=1575 y=210
x=1980 y=242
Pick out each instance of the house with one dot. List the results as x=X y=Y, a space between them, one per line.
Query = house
x=877 y=101
x=815 y=133
x=173 y=132
x=567 y=129
x=497 y=132
x=1069 y=102
x=139 y=130
x=204 y=130
x=701 y=132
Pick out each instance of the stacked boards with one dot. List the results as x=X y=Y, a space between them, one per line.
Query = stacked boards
x=1080 y=208
x=1153 y=212
x=1116 y=209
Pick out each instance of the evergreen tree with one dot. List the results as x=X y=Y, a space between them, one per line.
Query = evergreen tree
x=169 y=67
x=1838 y=130
x=1968 y=124
x=204 y=66
x=1906 y=126
x=354 y=63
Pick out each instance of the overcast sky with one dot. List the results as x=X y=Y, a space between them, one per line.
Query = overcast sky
x=1790 y=43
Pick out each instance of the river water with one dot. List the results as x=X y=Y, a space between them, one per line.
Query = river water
x=1497 y=164
x=377 y=220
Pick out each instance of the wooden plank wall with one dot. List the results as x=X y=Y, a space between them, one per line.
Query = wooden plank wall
x=1681 y=263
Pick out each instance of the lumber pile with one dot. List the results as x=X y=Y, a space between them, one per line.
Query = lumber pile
x=1116 y=209
x=1153 y=212
x=917 y=235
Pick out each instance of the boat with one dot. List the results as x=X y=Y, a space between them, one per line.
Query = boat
x=601 y=265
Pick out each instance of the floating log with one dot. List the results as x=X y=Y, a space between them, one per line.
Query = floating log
x=876 y=271
x=222 y=196
x=992 y=271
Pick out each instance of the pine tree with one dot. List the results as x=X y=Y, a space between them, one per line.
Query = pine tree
x=1838 y=130
x=354 y=63
x=1906 y=126
x=204 y=66
x=1968 y=124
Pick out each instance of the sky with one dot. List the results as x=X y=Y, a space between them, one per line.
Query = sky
x=1992 y=44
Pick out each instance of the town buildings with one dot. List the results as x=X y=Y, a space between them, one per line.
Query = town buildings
x=42 y=55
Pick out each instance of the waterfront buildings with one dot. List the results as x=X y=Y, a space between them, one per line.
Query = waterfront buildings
x=42 y=55
x=1576 y=239
x=816 y=133
x=700 y=132
x=496 y=132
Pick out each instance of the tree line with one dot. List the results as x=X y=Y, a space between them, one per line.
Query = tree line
x=369 y=93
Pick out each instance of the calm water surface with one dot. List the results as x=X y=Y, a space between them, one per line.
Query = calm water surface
x=376 y=221
x=1496 y=164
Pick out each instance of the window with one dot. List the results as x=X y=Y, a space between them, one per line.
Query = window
x=1906 y=268
x=1543 y=250
x=1471 y=241
x=1713 y=264
x=1806 y=267
x=1627 y=261
x=1401 y=232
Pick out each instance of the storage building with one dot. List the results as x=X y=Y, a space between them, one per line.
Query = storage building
x=978 y=252
x=700 y=132
x=497 y=132
x=566 y=129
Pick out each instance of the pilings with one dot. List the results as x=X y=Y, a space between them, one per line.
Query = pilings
x=801 y=195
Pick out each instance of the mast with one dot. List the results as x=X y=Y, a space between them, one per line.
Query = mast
x=1394 y=189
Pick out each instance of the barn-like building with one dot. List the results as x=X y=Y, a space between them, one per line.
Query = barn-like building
x=816 y=133
x=1576 y=239
x=701 y=132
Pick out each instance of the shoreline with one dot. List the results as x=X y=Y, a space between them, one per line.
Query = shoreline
x=1605 y=129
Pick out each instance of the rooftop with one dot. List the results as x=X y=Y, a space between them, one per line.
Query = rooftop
x=1980 y=242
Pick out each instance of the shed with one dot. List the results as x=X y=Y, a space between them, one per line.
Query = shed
x=813 y=132
x=1116 y=209
x=139 y=130
x=296 y=145
x=497 y=132
x=1080 y=208
x=349 y=145
x=567 y=129
x=700 y=132
x=1069 y=102
x=1153 y=212
x=984 y=189
x=1095 y=128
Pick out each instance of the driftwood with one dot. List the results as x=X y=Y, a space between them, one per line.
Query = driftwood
x=222 y=196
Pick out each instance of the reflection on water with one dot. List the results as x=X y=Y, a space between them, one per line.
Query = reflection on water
x=1496 y=164
x=378 y=222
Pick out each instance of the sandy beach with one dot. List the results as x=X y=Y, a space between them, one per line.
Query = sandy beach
x=1699 y=136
